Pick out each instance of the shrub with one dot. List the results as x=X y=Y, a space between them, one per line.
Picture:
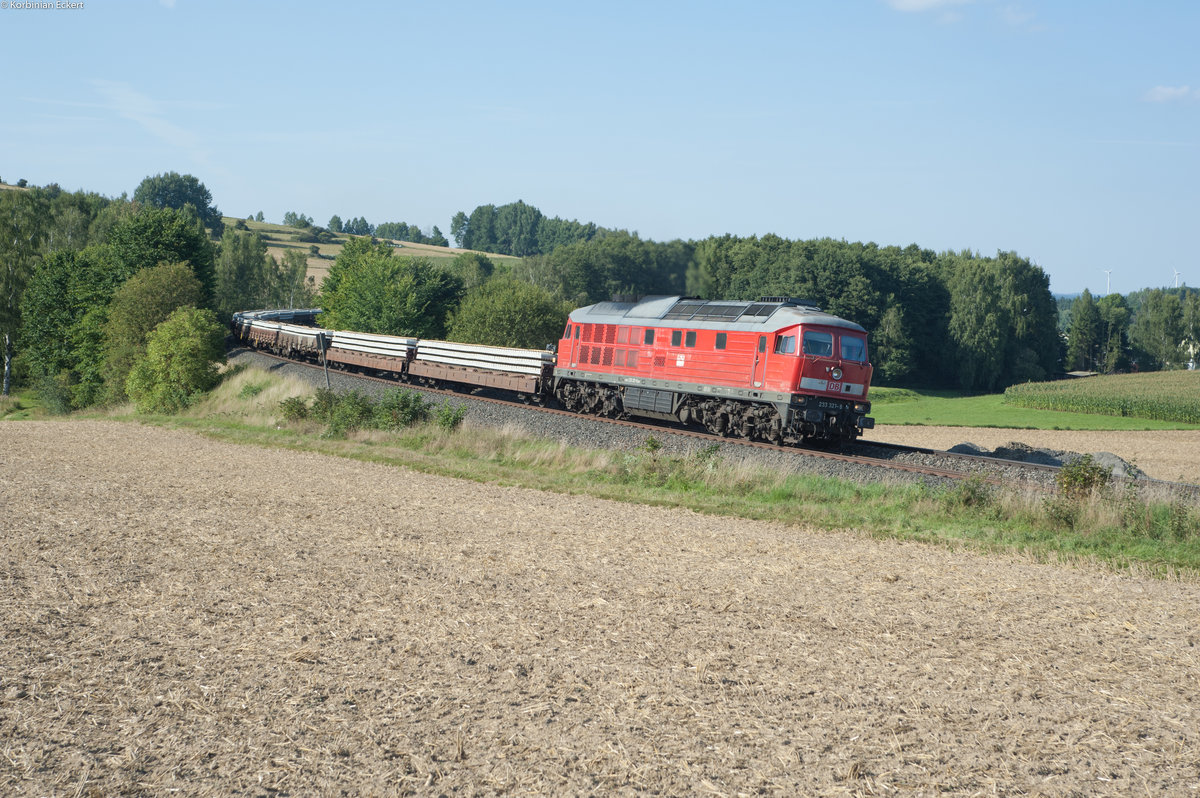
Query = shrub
x=251 y=390
x=294 y=408
x=1062 y=511
x=1082 y=477
x=180 y=364
x=449 y=416
x=55 y=393
x=971 y=492
x=400 y=408
x=351 y=412
x=1182 y=523
x=324 y=401
x=345 y=412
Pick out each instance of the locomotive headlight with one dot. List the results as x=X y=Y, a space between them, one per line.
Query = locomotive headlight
x=836 y=373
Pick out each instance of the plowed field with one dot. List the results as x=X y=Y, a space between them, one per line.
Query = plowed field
x=179 y=614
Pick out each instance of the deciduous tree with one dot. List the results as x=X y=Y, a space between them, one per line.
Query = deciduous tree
x=507 y=312
x=173 y=190
x=242 y=273
x=160 y=235
x=369 y=290
x=289 y=285
x=1157 y=329
x=22 y=231
x=182 y=360
x=143 y=302
x=1084 y=335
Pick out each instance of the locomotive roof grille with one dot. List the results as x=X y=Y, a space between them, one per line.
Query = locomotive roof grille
x=692 y=311
x=683 y=309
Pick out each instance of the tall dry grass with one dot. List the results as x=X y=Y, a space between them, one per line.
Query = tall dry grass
x=249 y=395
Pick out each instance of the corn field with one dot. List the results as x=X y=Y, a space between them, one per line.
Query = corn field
x=1158 y=395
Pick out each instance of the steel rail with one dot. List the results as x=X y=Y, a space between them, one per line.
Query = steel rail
x=864 y=460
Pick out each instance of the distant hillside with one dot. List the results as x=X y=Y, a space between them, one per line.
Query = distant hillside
x=281 y=238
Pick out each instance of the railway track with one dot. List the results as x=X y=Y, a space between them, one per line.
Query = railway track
x=887 y=457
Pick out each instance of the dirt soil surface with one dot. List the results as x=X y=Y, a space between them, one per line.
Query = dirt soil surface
x=180 y=614
x=1172 y=455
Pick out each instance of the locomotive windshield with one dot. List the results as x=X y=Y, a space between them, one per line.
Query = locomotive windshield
x=818 y=343
x=854 y=348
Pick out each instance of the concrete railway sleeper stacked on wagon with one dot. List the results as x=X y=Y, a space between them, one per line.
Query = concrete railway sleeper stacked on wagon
x=777 y=370
x=291 y=334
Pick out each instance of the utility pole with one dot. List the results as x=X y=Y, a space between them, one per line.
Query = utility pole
x=323 y=345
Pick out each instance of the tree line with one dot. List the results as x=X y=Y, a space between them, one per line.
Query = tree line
x=517 y=229
x=87 y=280
x=1146 y=330
x=397 y=231
x=950 y=319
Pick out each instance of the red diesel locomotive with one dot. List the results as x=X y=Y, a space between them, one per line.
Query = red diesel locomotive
x=777 y=370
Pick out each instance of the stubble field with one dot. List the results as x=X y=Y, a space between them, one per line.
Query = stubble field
x=182 y=614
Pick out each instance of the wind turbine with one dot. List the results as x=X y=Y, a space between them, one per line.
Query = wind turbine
x=1176 y=277
x=1107 y=280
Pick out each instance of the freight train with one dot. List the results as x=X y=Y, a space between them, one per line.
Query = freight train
x=778 y=370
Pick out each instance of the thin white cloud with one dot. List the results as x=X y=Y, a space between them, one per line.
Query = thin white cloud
x=925 y=5
x=131 y=104
x=1170 y=94
x=1016 y=16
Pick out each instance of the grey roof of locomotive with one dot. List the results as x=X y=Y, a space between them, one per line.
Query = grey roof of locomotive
x=699 y=314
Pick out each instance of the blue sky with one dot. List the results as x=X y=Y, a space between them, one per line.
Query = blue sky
x=1068 y=132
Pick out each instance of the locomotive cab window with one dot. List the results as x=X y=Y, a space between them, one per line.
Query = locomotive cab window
x=567 y=334
x=649 y=339
x=689 y=339
x=676 y=337
x=785 y=345
x=853 y=348
x=720 y=341
x=818 y=343
x=577 y=326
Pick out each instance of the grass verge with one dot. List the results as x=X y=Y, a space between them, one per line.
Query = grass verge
x=21 y=406
x=1094 y=524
